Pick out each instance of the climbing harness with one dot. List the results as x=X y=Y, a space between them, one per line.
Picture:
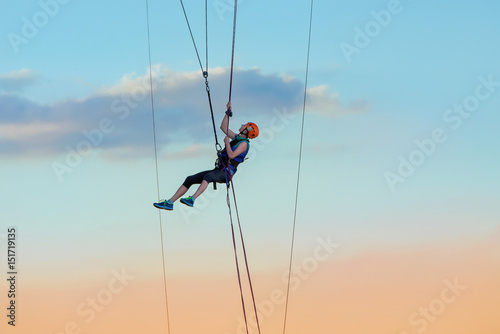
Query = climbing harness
x=222 y=155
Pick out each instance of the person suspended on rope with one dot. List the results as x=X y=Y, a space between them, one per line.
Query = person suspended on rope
x=236 y=148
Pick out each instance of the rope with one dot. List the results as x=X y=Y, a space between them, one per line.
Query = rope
x=204 y=72
x=192 y=37
x=245 y=256
x=206 y=34
x=298 y=169
x=217 y=145
x=229 y=183
x=228 y=176
x=156 y=165
x=232 y=53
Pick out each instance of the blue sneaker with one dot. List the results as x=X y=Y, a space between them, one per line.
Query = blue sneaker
x=164 y=204
x=189 y=201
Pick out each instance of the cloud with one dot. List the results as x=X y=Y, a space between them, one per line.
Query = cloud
x=18 y=80
x=33 y=131
x=330 y=104
x=188 y=152
x=119 y=117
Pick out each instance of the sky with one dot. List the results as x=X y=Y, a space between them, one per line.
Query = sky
x=397 y=222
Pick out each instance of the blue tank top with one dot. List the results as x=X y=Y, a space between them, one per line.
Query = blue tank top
x=241 y=157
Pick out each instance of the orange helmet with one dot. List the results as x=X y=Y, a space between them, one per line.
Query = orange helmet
x=253 y=130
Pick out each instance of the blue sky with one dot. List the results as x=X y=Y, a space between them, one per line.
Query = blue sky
x=362 y=116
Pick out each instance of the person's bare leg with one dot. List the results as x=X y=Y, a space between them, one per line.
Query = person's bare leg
x=203 y=186
x=181 y=191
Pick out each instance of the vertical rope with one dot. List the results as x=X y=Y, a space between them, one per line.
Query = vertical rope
x=228 y=201
x=232 y=53
x=245 y=257
x=298 y=169
x=156 y=165
x=206 y=35
x=234 y=195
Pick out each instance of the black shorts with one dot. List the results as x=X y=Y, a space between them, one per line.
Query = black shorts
x=214 y=175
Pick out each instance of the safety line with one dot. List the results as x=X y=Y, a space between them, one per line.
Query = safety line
x=228 y=175
x=204 y=71
x=298 y=169
x=232 y=53
x=192 y=37
x=206 y=34
x=245 y=256
x=229 y=183
x=217 y=145
x=156 y=165
x=228 y=201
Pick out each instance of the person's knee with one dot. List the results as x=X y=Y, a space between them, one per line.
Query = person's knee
x=208 y=178
x=189 y=181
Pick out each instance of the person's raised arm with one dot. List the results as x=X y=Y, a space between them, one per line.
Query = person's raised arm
x=225 y=122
